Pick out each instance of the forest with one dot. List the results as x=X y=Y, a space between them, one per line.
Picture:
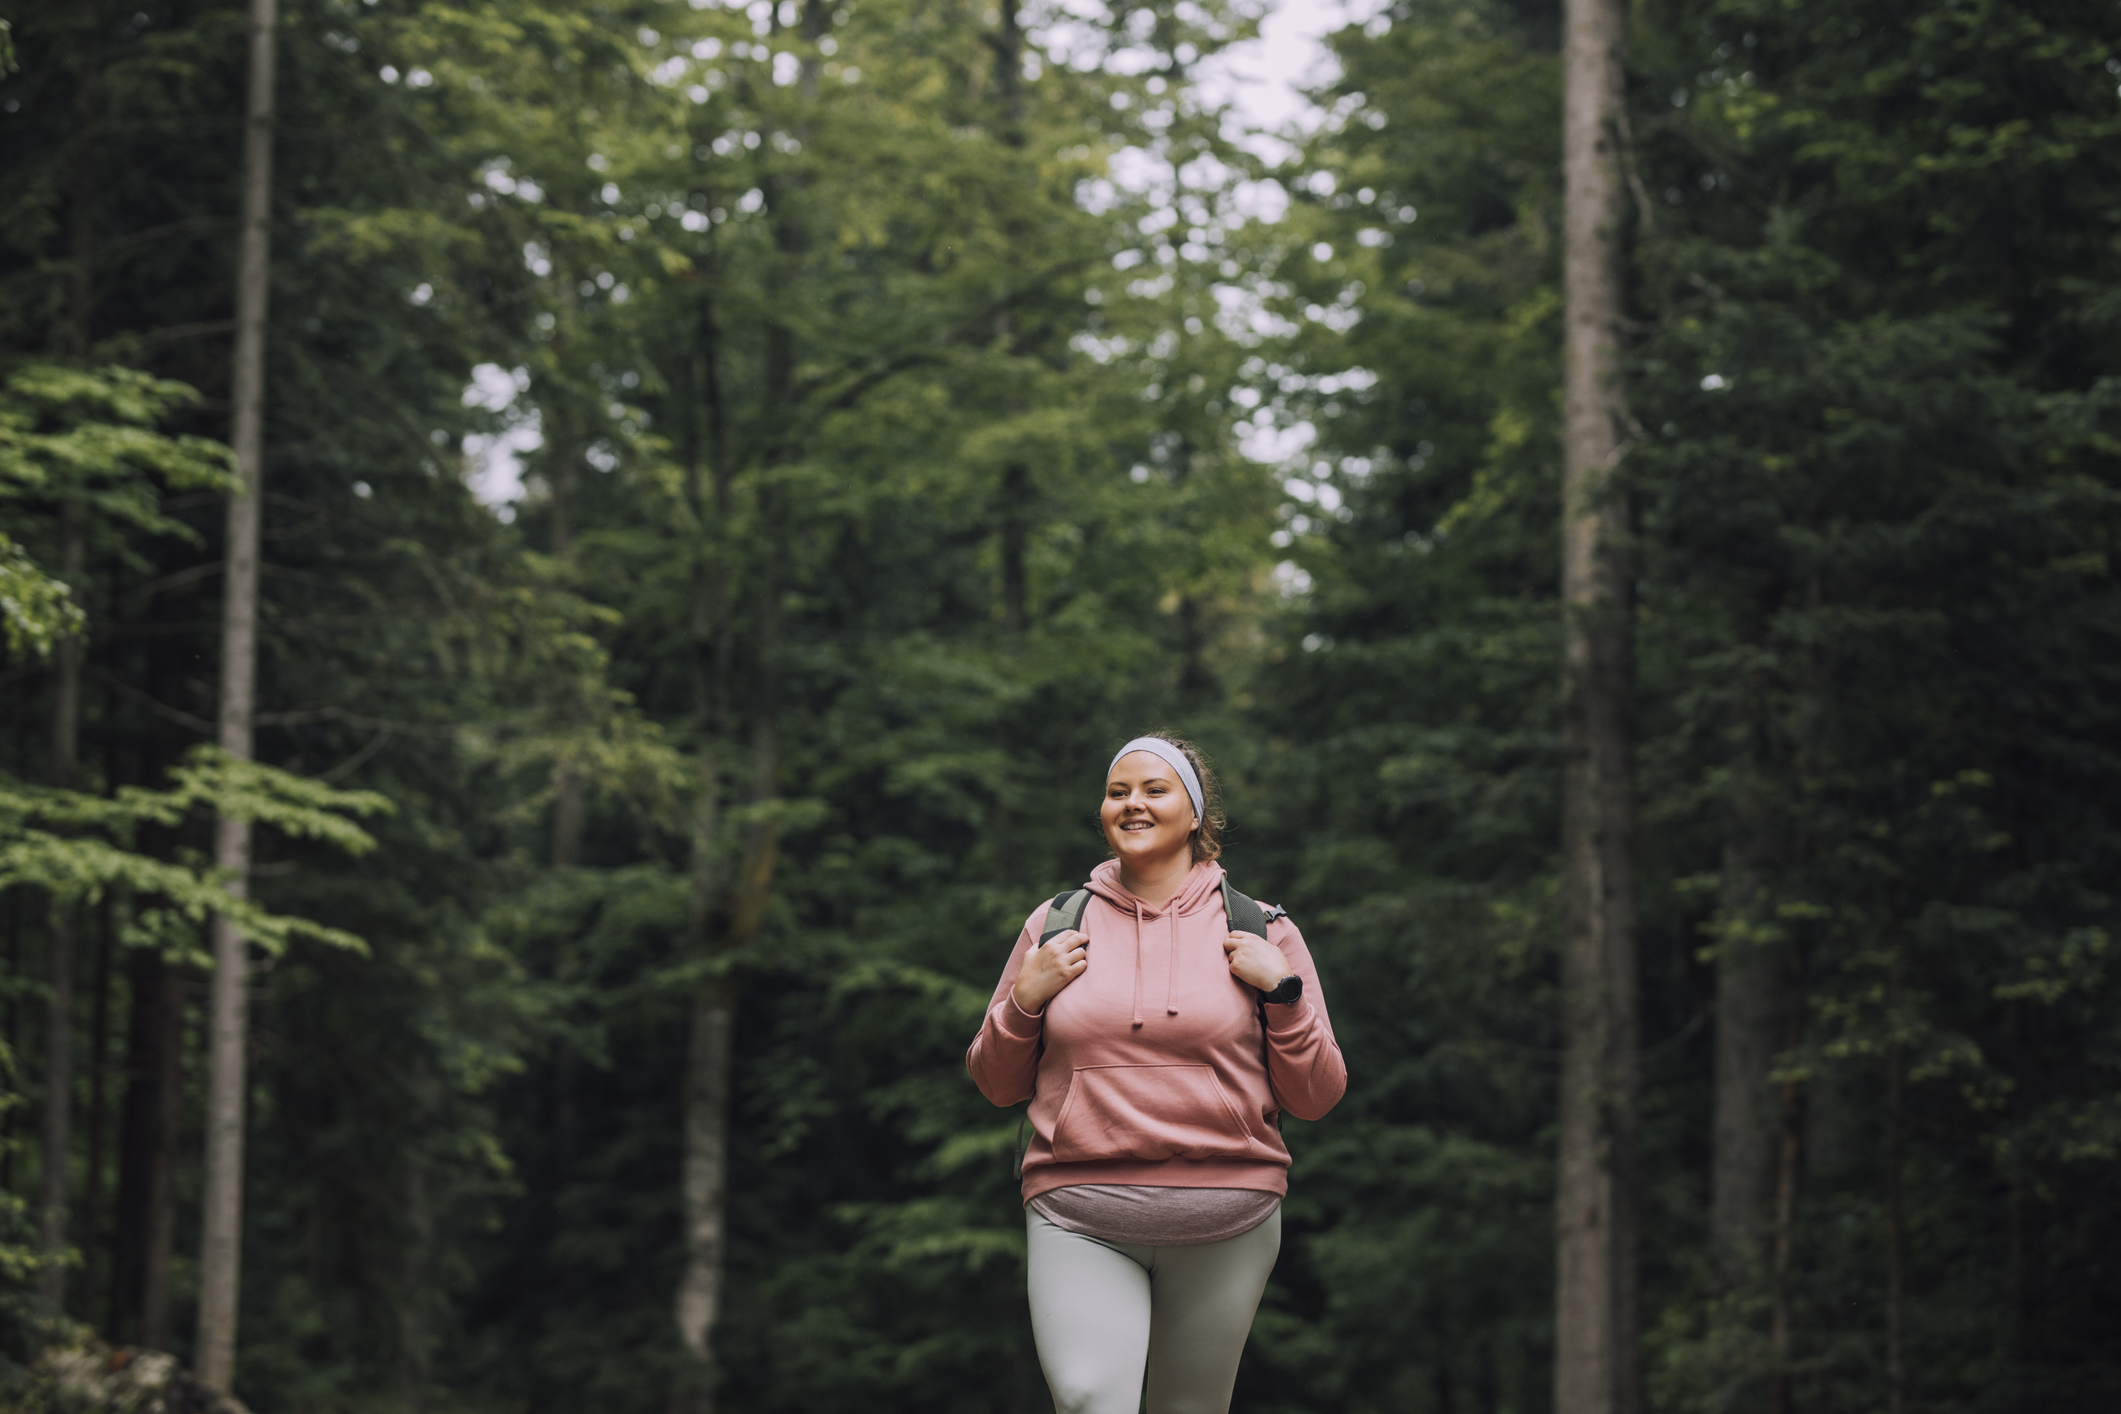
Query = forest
x=571 y=568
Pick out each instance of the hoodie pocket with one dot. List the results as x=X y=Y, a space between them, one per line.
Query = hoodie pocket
x=1149 y=1112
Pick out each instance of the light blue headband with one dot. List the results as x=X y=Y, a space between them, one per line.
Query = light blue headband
x=1157 y=746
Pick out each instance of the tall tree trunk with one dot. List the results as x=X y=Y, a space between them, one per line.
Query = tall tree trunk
x=570 y=793
x=570 y=809
x=415 y=1309
x=570 y=814
x=92 y=1227
x=1443 y=1387
x=1895 y=1231
x=1750 y=1010
x=727 y=920
x=221 y=1243
x=1784 y=1260
x=159 y=1240
x=14 y=1038
x=147 y=1155
x=762 y=839
x=1595 y=1219
x=77 y=337
x=710 y=1058
x=2018 y=1346
x=55 y=1190
x=1015 y=515
x=2016 y=1333
x=563 y=473
x=711 y=1025
x=1007 y=42
x=58 y=1103
x=705 y=1185
x=710 y=1050
x=1754 y=1148
x=1015 y=509
x=1196 y=682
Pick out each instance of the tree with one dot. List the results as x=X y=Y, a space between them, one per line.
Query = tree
x=1595 y=1200
x=1400 y=781
x=379 y=560
x=221 y=1243
x=87 y=443
x=1846 y=397
x=81 y=848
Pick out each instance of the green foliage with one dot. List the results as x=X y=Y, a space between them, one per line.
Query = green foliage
x=1876 y=475
x=881 y=459
x=1405 y=804
x=76 y=847
x=64 y=431
x=1881 y=495
x=91 y=438
x=37 y=609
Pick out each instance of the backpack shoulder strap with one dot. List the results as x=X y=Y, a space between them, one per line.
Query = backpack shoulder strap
x=1248 y=916
x=1245 y=915
x=1064 y=914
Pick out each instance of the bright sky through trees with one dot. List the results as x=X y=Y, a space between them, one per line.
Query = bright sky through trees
x=1262 y=81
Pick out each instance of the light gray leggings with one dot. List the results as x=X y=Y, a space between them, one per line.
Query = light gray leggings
x=1102 y=1312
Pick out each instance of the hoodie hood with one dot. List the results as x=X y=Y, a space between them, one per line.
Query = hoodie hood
x=1203 y=886
x=1202 y=890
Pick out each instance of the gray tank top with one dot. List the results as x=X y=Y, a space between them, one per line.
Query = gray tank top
x=1147 y=1216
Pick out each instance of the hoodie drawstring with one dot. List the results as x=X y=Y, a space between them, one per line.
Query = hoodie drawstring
x=1199 y=892
x=1137 y=962
x=1171 y=973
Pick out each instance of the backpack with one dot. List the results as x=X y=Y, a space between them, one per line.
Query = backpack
x=1065 y=915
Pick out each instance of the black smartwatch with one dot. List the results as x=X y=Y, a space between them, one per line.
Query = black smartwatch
x=1290 y=989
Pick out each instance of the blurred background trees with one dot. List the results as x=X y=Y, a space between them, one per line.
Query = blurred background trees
x=912 y=399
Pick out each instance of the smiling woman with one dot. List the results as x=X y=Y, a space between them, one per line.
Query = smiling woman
x=1153 y=1183
x=1151 y=782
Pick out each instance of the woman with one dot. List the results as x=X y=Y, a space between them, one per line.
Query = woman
x=1158 y=1047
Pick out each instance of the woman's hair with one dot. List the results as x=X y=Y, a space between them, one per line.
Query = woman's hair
x=1208 y=839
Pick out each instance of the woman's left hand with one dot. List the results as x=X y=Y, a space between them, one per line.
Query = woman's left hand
x=1255 y=961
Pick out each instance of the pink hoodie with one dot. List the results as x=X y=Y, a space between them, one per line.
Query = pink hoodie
x=1152 y=1067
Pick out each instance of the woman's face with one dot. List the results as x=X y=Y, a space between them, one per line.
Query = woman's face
x=1147 y=814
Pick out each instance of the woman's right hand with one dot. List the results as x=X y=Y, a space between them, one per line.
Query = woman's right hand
x=1052 y=965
